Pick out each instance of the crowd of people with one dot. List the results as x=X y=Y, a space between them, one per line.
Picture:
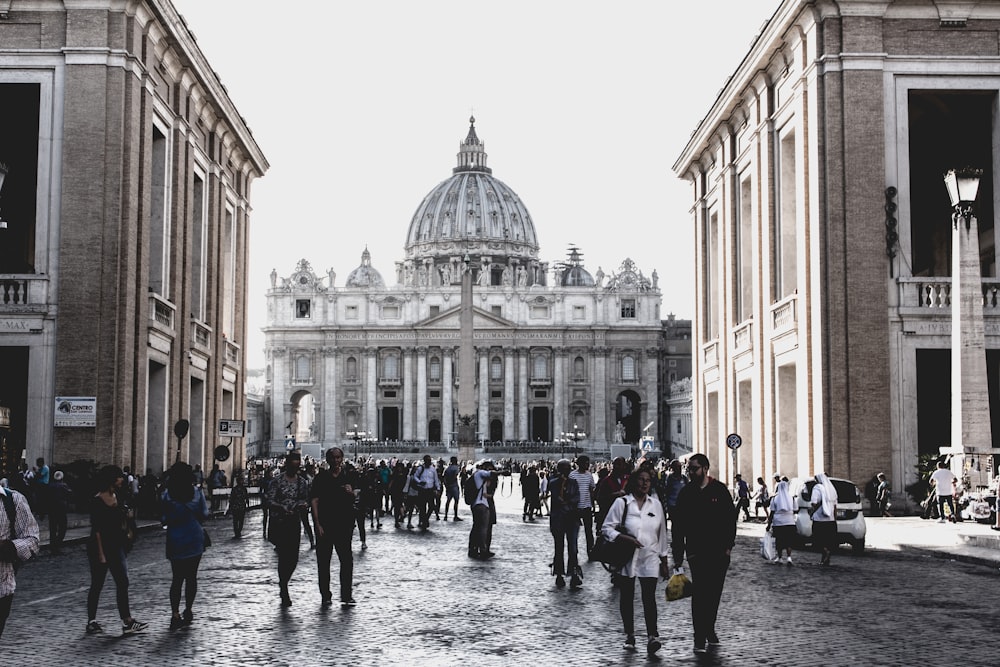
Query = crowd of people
x=622 y=502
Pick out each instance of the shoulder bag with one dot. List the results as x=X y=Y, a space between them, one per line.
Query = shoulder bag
x=614 y=554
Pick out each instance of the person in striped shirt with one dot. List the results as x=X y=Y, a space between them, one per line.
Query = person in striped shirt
x=585 y=480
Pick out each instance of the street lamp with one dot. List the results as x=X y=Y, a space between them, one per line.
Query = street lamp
x=561 y=441
x=971 y=430
x=356 y=436
x=576 y=436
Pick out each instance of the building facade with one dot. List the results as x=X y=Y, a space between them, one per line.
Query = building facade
x=823 y=326
x=557 y=348
x=123 y=250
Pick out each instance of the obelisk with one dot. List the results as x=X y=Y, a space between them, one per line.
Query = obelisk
x=466 y=371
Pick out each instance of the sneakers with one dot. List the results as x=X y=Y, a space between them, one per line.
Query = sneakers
x=653 y=645
x=188 y=617
x=713 y=640
x=629 y=644
x=458 y=518
x=94 y=628
x=699 y=646
x=364 y=545
x=788 y=561
x=133 y=627
x=349 y=602
x=176 y=622
x=942 y=520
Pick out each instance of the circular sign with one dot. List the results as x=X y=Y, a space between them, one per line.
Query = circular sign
x=733 y=441
x=221 y=453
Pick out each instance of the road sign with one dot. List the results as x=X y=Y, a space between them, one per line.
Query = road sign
x=733 y=441
x=231 y=428
x=646 y=443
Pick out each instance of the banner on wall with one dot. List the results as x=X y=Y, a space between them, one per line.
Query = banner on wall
x=76 y=411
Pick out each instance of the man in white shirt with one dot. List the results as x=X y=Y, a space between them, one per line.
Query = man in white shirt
x=943 y=480
x=585 y=480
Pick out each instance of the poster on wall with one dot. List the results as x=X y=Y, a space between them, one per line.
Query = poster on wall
x=76 y=411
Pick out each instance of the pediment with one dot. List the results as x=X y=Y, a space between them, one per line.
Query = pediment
x=450 y=320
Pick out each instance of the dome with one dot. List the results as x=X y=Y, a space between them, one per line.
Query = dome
x=365 y=275
x=472 y=213
x=573 y=273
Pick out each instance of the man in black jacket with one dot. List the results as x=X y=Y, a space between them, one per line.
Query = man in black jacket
x=704 y=526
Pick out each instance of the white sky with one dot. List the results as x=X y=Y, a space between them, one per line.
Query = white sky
x=583 y=107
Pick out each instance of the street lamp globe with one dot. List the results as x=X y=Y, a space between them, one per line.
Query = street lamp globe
x=963 y=186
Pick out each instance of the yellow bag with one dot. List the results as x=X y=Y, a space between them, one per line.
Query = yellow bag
x=678 y=587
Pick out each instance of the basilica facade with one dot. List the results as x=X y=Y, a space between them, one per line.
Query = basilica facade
x=558 y=349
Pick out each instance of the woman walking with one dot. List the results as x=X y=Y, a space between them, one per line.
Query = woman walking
x=288 y=499
x=183 y=510
x=824 y=511
x=781 y=522
x=646 y=528
x=238 y=501
x=106 y=550
x=564 y=524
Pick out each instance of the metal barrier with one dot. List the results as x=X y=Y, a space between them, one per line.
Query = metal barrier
x=218 y=499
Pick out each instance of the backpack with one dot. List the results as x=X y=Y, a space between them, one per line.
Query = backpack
x=470 y=491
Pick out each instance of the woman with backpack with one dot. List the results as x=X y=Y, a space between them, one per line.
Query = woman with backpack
x=183 y=508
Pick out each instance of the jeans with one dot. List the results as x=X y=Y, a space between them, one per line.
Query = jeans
x=482 y=529
x=569 y=536
x=587 y=515
x=709 y=570
x=626 y=598
x=118 y=566
x=951 y=504
x=339 y=539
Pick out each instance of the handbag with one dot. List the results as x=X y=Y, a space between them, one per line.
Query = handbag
x=614 y=554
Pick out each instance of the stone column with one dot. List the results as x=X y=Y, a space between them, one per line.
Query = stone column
x=484 y=393
x=421 y=394
x=522 y=395
x=331 y=418
x=279 y=394
x=508 y=393
x=971 y=430
x=371 y=392
x=408 y=392
x=447 y=385
x=600 y=404
x=558 y=392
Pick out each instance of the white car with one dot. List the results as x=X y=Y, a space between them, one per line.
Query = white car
x=851 y=528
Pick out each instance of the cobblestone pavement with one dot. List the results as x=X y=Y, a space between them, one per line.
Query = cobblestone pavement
x=421 y=601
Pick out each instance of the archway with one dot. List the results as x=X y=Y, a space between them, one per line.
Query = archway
x=496 y=430
x=628 y=411
x=304 y=426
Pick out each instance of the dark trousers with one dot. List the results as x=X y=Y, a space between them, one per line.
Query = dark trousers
x=426 y=502
x=57 y=529
x=288 y=560
x=308 y=528
x=5 y=603
x=338 y=539
x=238 y=517
x=626 y=598
x=563 y=538
x=942 y=501
x=264 y=514
x=185 y=573
x=708 y=573
x=743 y=505
x=117 y=565
x=482 y=531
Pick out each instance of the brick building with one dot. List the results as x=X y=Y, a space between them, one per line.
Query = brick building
x=124 y=250
x=822 y=332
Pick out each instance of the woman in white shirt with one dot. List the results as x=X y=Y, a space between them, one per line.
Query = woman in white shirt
x=781 y=521
x=646 y=528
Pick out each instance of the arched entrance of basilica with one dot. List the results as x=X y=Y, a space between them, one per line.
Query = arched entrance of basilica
x=302 y=415
x=628 y=411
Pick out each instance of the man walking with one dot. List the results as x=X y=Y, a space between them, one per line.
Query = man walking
x=743 y=496
x=704 y=527
x=332 y=497
x=943 y=480
x=18 y=543
x=585 y=507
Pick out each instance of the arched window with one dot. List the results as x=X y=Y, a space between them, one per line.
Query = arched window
x=578 y=368
x=539 y=367
x=434 y=369
x=390 y=367
x=351 y=368
x=496 y=368
x=628 y=368
x=302 y=367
